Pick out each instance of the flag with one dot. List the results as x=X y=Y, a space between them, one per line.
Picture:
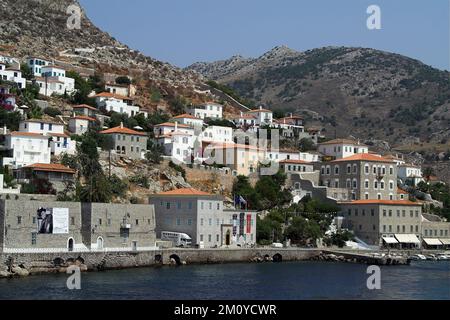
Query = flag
x=242 y=200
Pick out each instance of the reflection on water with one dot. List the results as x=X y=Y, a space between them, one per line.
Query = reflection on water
x=292 y=281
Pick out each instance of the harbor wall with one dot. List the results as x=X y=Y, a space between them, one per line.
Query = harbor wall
x=95 y=261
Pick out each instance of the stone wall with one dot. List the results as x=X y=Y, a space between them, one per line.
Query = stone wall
x=94 y=261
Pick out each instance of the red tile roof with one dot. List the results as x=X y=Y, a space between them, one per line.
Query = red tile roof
x=52 y=167
x=85 y=106
x=184 y=192
x=123 y=130
x=364 y=157
x=171 y=124
x=387 y=202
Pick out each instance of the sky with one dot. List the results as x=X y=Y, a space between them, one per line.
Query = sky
x=182 y=32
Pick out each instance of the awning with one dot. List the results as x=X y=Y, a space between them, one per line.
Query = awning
x=445 y=241
x=390 y=240
x=432 y=242
x=407 y=238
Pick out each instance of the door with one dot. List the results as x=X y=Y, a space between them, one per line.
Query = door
x=228 y=238
x=100 y=243
x=134 y=246
x=70 y=245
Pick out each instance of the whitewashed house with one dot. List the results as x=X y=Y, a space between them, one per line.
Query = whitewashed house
x=126 y=90
x=60 y=141
x=12 y=75
x=310 y=156
x=207 y=110
x=189 y=120
x=342 y=148
x=36 y=64
x=26 y=148
x=255 y=118
x=280 y=155
x=217 y=134
x=169 y=127
x=179 y=146
x=80 y=124
x=53 y=80
x=410 y=174
x=116 y=103
x=11 y=61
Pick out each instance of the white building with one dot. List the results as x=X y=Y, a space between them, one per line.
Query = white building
x=11 y=61
x=80 y=124
x=280 y=155
x=296 y=166
x=342 y=148
x=117 y=103
x=60 y=142
x=53 y=80
x=310 y=156
x=27 y=148
x=36 y=64
x=410 y=174
x=12 y=75
x=189 y=120
x=127 y=90
x=207 y=110
x=179 y=146
x=217 y=134
x=169 y=127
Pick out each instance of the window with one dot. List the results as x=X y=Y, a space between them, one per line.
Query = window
x=167 y=205
x=366 y=169
x=209 y=238
x=336 y=170
x=398 y=228
x=384 y=213
x=201 y=221
x=99 y=222
x=366 y=184
x=384 y=228
x=356 y=212
x=372 y=212
x=398 y=213
x=390 y=213
x=218 y=206
x=190 y=205
x=390 y=228
x=72 y=221
x=179 y=205
x=391 y=170
x=349 y=168
x=33 y=238
x=178 y=222
x=201 y=238
x=19 y=220
x=34 y=220
x=217 y=238
x=210 y=221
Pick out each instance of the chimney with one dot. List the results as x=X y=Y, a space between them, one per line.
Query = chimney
x=176 y=126
x=242 y=114
x=260 y=107
x=291 y=114
x=121 y=125
x=5 y=129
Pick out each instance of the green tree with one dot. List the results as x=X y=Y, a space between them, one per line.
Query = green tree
x=26 y=71
x=123 y=80
x=306 y=144
x=52 y=112
x=302 y=231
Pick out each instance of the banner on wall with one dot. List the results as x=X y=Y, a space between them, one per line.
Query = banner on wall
x=53 y=220
x=249 y=223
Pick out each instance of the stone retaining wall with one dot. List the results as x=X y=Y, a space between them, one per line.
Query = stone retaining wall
x=93 y=261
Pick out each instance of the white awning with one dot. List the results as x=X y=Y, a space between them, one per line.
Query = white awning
x=407 y=238
x=390 y=240
x=445 y=241
x=432 y=242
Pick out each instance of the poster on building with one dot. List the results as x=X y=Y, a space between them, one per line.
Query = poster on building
x=249 y=223
x=241 y=223
x=235 y=217
x=53 y=220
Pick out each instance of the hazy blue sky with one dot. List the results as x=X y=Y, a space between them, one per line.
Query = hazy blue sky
x=185 y=31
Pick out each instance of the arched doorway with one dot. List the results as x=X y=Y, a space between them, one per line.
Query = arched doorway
x=277 y=258
x=228 y=238
x=100 y=243
x=70 y=245
x=176 y=259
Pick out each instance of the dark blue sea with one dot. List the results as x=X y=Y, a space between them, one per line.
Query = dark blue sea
x=273 y=281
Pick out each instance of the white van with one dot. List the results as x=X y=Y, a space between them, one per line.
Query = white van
x=178 y=239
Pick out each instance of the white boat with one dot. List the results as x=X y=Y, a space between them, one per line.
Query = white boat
x=418 y=257
x=431 y=257
x=442 y=256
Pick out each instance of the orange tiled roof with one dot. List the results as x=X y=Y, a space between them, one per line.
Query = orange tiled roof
x=184 y=192
x=171 y=124
x=123 y=130
x=84 y=106
x=364 y=157
x=52 y=167
x=58 y=135
x=388 y=202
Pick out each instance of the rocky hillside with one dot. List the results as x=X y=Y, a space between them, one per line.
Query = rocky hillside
x=39 y=27
x=364 y=92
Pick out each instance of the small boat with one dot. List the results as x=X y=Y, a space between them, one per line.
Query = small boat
x=442 y=257
x=418 y=257
x=431 y=257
